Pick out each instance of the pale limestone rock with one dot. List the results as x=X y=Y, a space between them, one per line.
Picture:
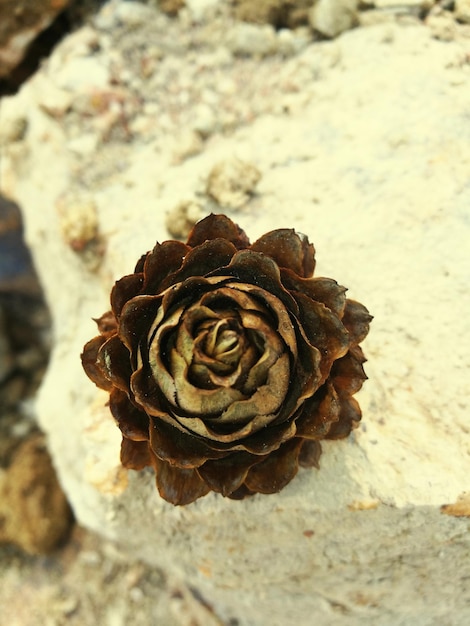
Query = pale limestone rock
x=374 y=169
x=462 y=10
x=183 y=217
x=20 y=25
x=232 y=182
x=78 y=219
x=251 y=39
x=82 y=73
x=187 y=145
x=332 y=17
x=200 y=9
x=13 y=127
x=134 y=14
x=205 y=120
x=402 y=6
x=34 y=512
x=53 y=100
x=442 y=25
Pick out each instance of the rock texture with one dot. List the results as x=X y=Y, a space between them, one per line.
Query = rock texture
x=333 y=17
x=280 y=13
x=20 y=23
x=462 y=10
x=361 y=144
x=34 y=513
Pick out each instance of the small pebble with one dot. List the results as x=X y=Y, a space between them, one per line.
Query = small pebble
x=232 y=182
x=133 y=14
x=252 y=40
x=78 y=220
x=182 y=218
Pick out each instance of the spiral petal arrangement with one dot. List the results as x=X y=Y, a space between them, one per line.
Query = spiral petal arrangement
x=227 y=362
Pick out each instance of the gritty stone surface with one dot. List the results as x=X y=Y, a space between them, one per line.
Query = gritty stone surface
x=34 y=513
x=13 y=128
x=362 y=145
x=182 y=218
x=251 y=39
x=332 y=17
x=462 y=10
x=232 y=182
x=78 y=220
x=20 y=23
x=171 y=7
x=442 y=25
x=403 y=5
x=91 y=581
x=276 y=12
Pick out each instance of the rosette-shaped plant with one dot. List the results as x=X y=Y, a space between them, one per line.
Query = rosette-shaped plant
x=227 y=362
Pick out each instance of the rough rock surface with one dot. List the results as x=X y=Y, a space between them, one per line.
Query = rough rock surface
x=280 y=13
x=34 y=513
x=362 y=143
x=462 y=10
x=20 y=23
x=332 y=17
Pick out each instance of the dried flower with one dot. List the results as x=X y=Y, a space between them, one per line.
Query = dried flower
x=227 y=362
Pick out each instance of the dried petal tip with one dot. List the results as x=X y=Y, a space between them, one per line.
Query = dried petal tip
x=228 y=362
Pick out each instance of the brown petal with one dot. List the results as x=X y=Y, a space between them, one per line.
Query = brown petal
x=218 y=226
x=90 y=364
x=289 y=249
x=310 y=453
x=357 y=320
x=179 y=486
x=226 y=475
x=347 y=373
x=324 y=290
x=302 y=386
x=349 y=418
x=177 y=448
x=322 y=329
x=254 y=268
x=231 y=291
x=191 y=289
x=200 y=261
x=165 y=259
x=277 y=470
x=242 y=418
x=139 y=266
x=107 y=324
x=264 y=402
x=318 y=413
x=136 y=318
x=147 y=394
x=268 y=439
x=135 y=455
x=241 y=493
x=306 y=374
x=194 y=400
x=114 y=361
x=284 y=321
x=125 y=289
x=273 y=349
x=134 y=424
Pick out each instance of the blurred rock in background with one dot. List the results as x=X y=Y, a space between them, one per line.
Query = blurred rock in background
x=29 y=29
x=34 y=513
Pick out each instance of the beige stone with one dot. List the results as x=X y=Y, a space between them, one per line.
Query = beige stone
x=332 y=17
x=373 y=167
x=462 y=10
x=21 y=22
